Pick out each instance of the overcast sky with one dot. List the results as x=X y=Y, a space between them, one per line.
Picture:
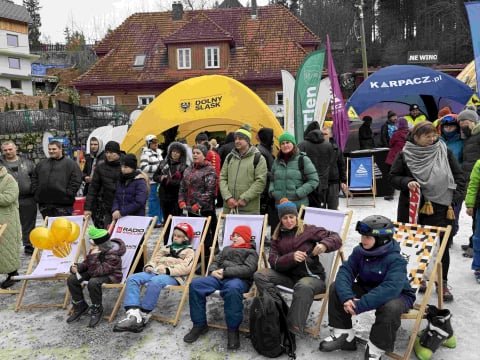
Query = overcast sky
x=93 y=17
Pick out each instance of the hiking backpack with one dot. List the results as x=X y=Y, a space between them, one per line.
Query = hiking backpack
x=268 y=327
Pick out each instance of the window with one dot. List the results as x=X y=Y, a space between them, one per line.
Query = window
x=12 y=40
x=144 y=100
x=212 y=57
x=106 y=100
x=279 y=97
x=14 y=63
x=16 y=84
x=140 y=60
x=184 y=58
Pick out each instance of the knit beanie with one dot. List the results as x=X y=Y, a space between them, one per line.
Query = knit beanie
x=414 y=107
x=390 y=114
x=113 y=146
x=286 y=207
x=402 y=123
x=468 y=115
x=286 y=136
x=202 y=148
x=444 y=111
x=244 y=231
x=367 y=118
x=99 y=237
x=201 y=137
x=244 y=132
x=129 y=160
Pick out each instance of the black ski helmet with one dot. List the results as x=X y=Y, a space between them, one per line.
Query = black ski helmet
x=378 y=226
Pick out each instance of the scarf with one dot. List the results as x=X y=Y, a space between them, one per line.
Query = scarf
x=430 y=167
x=124 y=178
x=176 y=248
x=241 y=246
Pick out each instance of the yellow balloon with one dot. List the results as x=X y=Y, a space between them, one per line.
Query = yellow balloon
x=61 y=229
x=62 y=251
x=42 y=238
x=74 y=234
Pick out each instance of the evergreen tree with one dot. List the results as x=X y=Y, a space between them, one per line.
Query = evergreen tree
x=11 y=105
x=33 y=7
x=50 y=103
x=40 y=104
x=19 y=106
x=6 y=108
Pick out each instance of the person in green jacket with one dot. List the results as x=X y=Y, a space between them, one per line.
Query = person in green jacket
x=243 y=176
x=291 y=179
x=473 y=209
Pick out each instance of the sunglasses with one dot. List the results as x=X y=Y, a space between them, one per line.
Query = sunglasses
x=367 y=230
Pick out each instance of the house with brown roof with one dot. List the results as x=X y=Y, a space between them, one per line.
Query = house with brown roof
x=150 y=52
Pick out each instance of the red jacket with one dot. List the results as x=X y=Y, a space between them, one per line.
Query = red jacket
x=396 y=144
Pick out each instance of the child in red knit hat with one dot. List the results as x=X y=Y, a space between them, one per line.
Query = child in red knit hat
x=231 y=272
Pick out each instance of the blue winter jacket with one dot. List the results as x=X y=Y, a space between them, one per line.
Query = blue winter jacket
x=382 y=272
x=131 y=196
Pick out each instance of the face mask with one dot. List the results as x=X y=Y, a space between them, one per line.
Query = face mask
x=449 y=134
x=466 y=131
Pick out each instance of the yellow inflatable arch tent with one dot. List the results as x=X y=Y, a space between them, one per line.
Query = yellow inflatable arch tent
x=211 y=102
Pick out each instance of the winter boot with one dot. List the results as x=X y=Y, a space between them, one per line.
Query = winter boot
x=9 y=281
x=339 y=339
x=132 y=322
x=195 y=333
x=233 y=341
x=96 y=312
x=438 y=331
x=373 y=352
x=447 y=295
x=78 y=309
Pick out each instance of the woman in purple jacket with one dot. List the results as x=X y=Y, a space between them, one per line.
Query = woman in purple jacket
x=294 y=263
x=132 y=190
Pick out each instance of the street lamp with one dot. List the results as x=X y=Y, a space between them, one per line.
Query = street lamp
x=363 y=42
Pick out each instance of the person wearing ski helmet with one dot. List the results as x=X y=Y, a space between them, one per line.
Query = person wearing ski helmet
x=170 y=266
x=374 y=277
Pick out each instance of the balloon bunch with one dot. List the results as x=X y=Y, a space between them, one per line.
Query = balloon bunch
x=58 y=238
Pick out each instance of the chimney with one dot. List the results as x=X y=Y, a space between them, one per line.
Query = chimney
x=177 y=11
x=253 y=12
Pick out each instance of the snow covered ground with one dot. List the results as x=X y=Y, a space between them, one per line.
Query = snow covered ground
x=43 y=333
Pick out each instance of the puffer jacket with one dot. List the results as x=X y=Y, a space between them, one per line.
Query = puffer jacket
x=471 y=151
x=240 y=179
x=23 y=175
x=320 y=152
x=103 y=185
x=131 y=196
x=236 y=263
x=288 y=181
x=381 y=271
x=282 y=250
x=56 y=181
x=11 y=239
x=172 y=171
x=198 y=186
x=179 y=265
x=149 y=161
x=108 y=263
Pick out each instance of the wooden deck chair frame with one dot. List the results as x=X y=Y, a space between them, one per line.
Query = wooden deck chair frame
x=368 y=190
x=331 y=261
x=223 y=231
x=6 y=291
x=420 y=238
x=142 y=251
x=38 y=260
x=200 y=237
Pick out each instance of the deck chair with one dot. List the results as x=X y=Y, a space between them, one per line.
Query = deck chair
x=135 y=232
x=421 y=245
x=334 y=220
x=200 y=226
x=225 y=226
x=361 y=181
x=6 y=291
x=44 y=266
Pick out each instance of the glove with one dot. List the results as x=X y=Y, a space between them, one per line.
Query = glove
x=182 y=204
x=195 y=208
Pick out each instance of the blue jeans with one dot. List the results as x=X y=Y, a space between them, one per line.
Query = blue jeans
x=231 y=290
x=155 y=283
x=476 y=242
x=154 y=208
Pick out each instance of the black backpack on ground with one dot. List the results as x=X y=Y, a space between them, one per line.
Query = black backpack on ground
x=268 y=327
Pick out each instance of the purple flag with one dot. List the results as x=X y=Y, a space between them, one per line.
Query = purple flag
x=341 y=124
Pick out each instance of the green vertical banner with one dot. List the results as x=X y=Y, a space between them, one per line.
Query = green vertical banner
x=306 y=90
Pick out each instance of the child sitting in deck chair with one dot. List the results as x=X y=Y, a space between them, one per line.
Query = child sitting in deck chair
x=170 y=266
x=103 y=264
x=374 y=277
x=231 y=272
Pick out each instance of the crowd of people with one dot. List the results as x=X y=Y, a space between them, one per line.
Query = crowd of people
x=241 y=178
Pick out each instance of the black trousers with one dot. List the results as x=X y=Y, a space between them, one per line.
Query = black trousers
x=28 y=217
x=387 y=318
x=94 y=288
